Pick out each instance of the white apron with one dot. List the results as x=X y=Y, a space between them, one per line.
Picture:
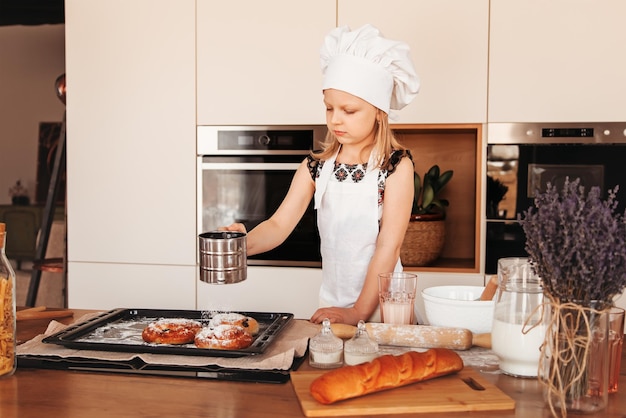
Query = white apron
x=347 y=217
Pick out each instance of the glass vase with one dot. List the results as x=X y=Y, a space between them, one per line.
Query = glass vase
x=574 y=359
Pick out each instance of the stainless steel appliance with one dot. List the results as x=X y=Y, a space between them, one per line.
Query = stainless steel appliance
x=524 y=157
x=223 y=257
x=244 y=173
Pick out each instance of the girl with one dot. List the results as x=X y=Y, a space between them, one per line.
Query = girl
x=362 y=179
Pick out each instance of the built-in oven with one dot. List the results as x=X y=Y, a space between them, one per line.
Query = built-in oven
x=244 y=172
x=524 y=157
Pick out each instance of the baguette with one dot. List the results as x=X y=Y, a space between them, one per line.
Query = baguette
x=385 y=372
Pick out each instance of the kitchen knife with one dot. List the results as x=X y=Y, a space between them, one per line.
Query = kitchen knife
x=420 y=336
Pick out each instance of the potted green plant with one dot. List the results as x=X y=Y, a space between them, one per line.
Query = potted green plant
x=425 y=235
x=426 y=198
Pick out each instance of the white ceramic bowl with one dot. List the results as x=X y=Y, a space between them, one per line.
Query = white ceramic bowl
x=456 y=306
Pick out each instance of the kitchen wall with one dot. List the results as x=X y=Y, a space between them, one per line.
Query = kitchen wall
x=148 y=85
x=31 y=57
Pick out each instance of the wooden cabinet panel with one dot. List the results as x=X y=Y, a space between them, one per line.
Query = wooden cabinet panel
x=448 y=40
x=457 y=148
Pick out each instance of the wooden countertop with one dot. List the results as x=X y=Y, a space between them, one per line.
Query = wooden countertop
x=68 y=394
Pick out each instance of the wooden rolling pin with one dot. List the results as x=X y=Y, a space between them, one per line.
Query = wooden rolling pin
x=421 y=336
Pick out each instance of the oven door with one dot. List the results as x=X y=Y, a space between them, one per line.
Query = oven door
x=249 y=189
x=515 y=172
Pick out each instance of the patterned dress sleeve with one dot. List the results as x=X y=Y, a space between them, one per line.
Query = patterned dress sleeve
x=314 y=166
x=396 y=157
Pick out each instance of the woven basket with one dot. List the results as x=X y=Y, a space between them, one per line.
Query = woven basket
x=423 y=242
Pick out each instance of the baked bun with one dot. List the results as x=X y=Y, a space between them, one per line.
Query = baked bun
x=171 y=331
x=224 y=337
x=232 y=318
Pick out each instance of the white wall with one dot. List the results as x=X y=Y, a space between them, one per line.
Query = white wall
x=31 y=59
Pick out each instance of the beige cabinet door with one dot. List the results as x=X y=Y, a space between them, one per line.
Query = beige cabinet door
x=448 y=40
x=119 y=285
x=258 y=61
x=557 y=61
x=130 y=133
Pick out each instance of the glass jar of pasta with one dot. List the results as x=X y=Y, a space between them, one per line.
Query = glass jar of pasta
x=7 y=310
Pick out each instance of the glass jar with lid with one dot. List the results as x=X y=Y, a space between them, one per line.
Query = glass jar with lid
x=360 y=348
x=7 y=310
x=326 y=349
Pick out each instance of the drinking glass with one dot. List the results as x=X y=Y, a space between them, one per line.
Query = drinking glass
x=397 y=297
x=616 y=341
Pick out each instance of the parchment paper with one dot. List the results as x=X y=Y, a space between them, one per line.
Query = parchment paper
x=290 y=343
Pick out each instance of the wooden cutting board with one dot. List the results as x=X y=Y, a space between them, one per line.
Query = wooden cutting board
x=444 y=394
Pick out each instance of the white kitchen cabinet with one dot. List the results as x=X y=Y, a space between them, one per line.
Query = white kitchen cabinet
x=557 y=61
x=140 y=81
x=267 y=289
x=448 y=40
x=295 y=290
x=258 y=62
x=130 y=142
x=109 y=285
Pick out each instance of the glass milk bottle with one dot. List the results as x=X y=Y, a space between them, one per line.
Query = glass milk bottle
x=7 y=310
x=518 y=330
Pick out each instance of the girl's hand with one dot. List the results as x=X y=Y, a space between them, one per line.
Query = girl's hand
x=236 y=227
x=348 y=316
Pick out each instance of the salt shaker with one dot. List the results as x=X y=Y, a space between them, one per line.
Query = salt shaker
x=326 y=349
x=360 y=348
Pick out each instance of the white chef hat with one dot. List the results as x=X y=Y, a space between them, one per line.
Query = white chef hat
x=363 y=63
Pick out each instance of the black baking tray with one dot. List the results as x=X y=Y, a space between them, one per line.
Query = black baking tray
x=138 y=367
x=120 y=330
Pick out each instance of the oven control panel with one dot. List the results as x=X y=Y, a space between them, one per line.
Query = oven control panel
x=242 y=140
x=557 y=133
x=567 y=132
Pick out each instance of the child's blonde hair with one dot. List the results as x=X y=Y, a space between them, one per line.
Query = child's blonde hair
x=384 y=143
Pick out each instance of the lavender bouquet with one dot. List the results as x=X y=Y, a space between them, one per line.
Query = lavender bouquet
x=576 y=243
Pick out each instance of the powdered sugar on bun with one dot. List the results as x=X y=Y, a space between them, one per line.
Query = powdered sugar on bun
x=224 y=337
x=233 y=318
x=171 y=331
